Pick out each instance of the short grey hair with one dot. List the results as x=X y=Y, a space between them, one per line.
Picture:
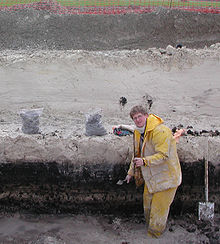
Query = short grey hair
x=138 y=109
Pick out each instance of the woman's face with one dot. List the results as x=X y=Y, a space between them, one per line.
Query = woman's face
x=140 y=119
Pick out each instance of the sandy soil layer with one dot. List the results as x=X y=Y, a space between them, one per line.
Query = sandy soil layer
x=183 y=85
x=179 y=82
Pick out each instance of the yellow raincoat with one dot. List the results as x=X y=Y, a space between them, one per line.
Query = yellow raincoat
x=161 y=173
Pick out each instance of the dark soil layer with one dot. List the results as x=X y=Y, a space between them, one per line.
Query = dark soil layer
x=55 y=188
x=41 y=29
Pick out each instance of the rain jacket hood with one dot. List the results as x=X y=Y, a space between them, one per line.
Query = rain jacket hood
x=152 y=122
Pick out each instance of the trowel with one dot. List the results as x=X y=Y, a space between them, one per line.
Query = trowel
x=206 y=209
x=121 y=182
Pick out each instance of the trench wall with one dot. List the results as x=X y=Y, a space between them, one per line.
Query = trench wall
x=55 y=176
x=54 y=188
x=90 y=187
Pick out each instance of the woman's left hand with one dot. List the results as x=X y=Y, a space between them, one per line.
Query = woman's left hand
x=138 y=162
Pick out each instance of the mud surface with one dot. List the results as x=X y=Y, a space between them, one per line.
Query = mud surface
x=75 y=229
x=40 y=29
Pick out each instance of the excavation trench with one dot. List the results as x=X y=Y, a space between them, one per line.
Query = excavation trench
x=72 y=65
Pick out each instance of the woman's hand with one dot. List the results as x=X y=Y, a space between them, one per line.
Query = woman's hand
x=138 y=162
x=128 y=178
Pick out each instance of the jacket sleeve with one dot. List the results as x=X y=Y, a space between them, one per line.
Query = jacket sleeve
x=161 y=141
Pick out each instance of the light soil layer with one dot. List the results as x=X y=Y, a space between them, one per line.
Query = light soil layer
x=40 y=29
x=182 y=85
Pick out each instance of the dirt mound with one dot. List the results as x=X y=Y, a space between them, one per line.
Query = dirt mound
x=42 y=29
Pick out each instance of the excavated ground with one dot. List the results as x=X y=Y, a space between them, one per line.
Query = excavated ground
x=29 y=28
x=63 y=171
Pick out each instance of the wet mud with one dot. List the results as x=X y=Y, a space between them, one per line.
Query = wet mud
x=75 y=229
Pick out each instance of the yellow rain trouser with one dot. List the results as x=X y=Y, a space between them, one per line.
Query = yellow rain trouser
x=156 y=209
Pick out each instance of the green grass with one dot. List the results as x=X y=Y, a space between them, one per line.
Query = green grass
x=101 y=3
x=149 y=3
x=9 y=3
